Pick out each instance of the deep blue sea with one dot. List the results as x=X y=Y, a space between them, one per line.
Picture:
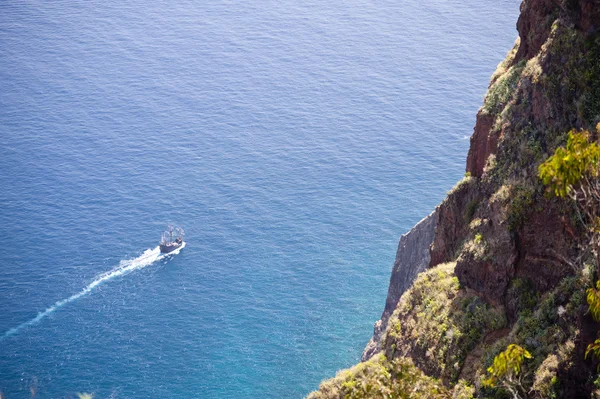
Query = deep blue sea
x=293 y=141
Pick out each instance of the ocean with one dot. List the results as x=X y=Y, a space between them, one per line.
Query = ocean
x=293 y=141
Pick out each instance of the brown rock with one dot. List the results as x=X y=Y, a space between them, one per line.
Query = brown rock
x=534 y=25
x=481 y=144
x=453 y=221
x=490 y=272
x=589 y=16
x=547 y=247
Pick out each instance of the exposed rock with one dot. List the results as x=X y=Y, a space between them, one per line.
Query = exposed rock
x=542 y=90
x=534 y=25
x=547 y=247
x=482 y=145
x=412 y=257
x=589 y=16
x=488 y=264
x=453 y=218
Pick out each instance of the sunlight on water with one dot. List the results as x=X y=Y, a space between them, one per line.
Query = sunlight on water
x=295 y=141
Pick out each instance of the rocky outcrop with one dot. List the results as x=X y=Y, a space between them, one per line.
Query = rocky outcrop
x=412 y=258
x=520 y=91
x=482 y=144
x=546 y=86
x=453 y=217
x=537 y=16
x=486 y=263
x=534 y=25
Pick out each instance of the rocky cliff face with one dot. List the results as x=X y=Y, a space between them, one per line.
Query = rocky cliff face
x=547 y=86
x=412 y=258
x=506 y=264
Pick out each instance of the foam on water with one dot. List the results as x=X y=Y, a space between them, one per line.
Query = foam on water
x=125 y=267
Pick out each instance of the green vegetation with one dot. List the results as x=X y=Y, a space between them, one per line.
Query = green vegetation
x=463 y=390
x=502 y=225
x=546 y=382
x=478 y=238
x=468 y=179
x=470 y=209
x=591 y=97
x=442 y=328
x=522 y=297
x=547 y=327
x=520 y=204
x=477 y=247
x=595 y=349
x=506 y=370
x=572 y=170
x=593 y=300
x=381 y=378
x=550 y=323
x=502 y=89
x=441 y=322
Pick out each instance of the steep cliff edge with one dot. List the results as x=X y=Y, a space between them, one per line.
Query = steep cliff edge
x=548 y=85
x=506 y=264
x=412 y=258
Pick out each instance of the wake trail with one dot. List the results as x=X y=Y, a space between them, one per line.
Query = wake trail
x=125 y=267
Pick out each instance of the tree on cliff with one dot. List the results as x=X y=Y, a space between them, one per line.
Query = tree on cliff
x=574 y=171
x=506 y=371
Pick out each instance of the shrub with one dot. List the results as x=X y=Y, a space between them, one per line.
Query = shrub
x=501 y=90
x=570 y=166
x=546 y=379
x=521 y=201
x=470 y=209
x=463 y=390
x=506 y=370
x=593 y=300
x=591 y=98
x=523 y=291
x=595 y=349
x=440 y=321
x=381 y=378
x=573 y=171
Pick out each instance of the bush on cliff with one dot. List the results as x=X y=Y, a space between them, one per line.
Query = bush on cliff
x=547 y=327
x=506 y=370
x=574 y=171
x=379 y=378
x=437 y=323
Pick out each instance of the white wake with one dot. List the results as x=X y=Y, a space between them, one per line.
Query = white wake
x=125 y=267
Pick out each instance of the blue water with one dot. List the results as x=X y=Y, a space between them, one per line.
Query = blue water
x=294 y=142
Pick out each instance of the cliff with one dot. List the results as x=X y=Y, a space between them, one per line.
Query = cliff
x=507 y=261
x=412 y=258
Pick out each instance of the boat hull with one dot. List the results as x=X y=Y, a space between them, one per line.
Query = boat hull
x=166 y=248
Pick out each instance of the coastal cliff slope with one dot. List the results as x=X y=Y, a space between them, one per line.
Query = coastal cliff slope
x=506 y=264
x=412 y=258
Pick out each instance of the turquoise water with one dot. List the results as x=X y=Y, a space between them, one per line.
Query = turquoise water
x=294 y=142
